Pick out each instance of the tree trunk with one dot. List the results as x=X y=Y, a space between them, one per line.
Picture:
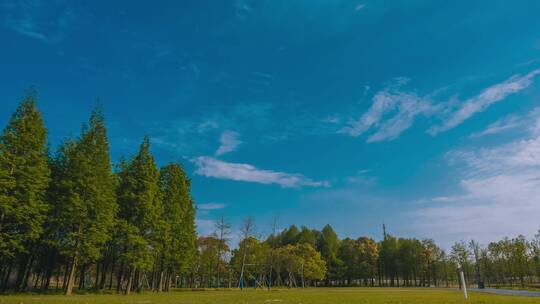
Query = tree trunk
x=27 y=273
x=130 y=281
x=103 y=275
x=5 y=281
x=48 y=276
x=96 y=282
x=71 y=276
x=112 y=274
x=36 y=281
x=119 y=280
x=160 y=284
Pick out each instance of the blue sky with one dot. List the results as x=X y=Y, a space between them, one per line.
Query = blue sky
x=423 y=115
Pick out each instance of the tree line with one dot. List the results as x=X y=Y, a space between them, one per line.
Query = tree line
x=71 y=218
x=308 y=257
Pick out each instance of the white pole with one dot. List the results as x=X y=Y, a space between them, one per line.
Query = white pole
x=462 y=279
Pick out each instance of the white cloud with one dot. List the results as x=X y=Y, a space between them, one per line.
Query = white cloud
x=485 y=99
x=26 y=27
x=501 y=125
x=211 y=206
x=211 y=167
x=527 y=123
x=32 y=19
x=360 y=7
x=409 y=106
x=229 y=142
x=196 y=134
x=393 y=111
x=500 y=194
x=403 y=106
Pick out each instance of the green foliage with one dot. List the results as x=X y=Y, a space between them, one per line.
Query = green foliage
x=24 y=177
x=328 y=245
x=209 y=260
x=135 y=251
x=141 y=209
x=129 y=222
x=256 y=255
x=69 y=214
x=307 y=236
x=289 y=236
x=359 y=258
x=86 y=192
x=302 y=260
x=179 y=217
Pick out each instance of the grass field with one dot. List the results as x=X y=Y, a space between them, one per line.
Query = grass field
x=306 y=296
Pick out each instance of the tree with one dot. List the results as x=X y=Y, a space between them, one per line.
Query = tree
x=328 y=245
x=140 y=211
x=89 y=205
x=8 y=237
x=247 y=233
x=301 y=260
x=289 y=236
x=475 y=249
x=461 y=255
x=179 y=216
x=249 y=261
x=519 y=258
x=410 y=253
x=368 y=255
x=348 y=253
x=312 y=266
x=432 y=256
x=307 y=236
x=389 y=259
x=209 y=248
x=24 y=177
x=223 y=230
x=535 y=250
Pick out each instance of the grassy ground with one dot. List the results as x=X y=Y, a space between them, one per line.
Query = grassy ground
x=297 y=296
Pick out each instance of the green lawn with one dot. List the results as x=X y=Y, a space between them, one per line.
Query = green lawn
x=284 y=296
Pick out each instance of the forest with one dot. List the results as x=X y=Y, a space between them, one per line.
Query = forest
x=70 y=220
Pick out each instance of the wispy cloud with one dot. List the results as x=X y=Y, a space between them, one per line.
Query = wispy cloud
x=501 y=125
x=500 y=193
x=485 y=99
x=523 y=123
x=26 y=27
x=360 y=7
x=211 y=167
x=361 y=178
x=394 y=110
x=409 y=106
x=211 y=206
x=402 y=107
x=229 y=142
x=32 y=19
x=196 y=134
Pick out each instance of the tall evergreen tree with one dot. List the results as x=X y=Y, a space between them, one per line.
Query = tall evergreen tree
x=24 y=177
x=89 y=205
x=139 y=198
x=8 y=241
x=180 y=218
x=54 y=229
